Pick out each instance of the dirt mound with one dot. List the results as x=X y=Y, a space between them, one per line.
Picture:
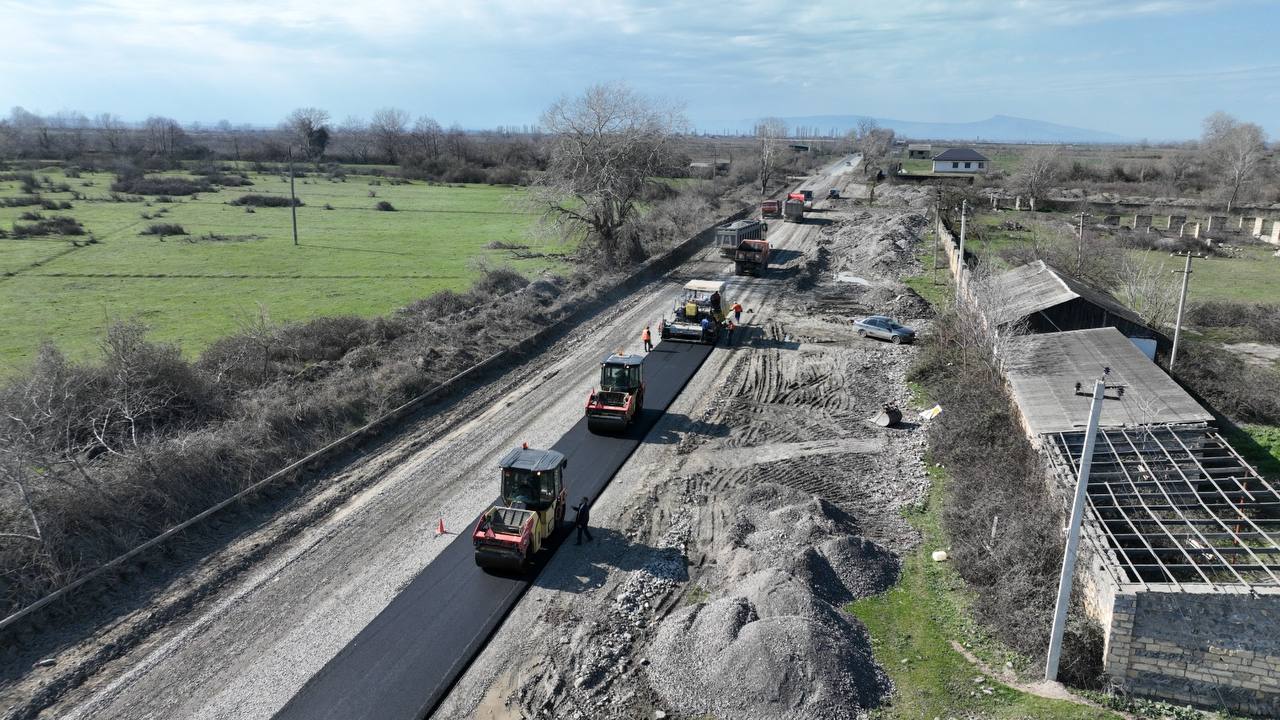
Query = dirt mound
x=770 y=650
x=772 y=641
x=875 y=244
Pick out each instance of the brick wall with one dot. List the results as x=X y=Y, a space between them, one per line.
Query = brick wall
x=1213 y=649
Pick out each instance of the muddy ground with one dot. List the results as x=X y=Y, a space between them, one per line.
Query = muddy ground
x=729 y=544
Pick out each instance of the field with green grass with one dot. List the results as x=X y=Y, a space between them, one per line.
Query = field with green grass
x=191 y=289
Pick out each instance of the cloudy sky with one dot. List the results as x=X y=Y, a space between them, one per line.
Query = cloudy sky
x=1149 y=69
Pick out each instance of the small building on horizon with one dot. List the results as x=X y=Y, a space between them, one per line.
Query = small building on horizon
x=960 y=160
x=919 y=151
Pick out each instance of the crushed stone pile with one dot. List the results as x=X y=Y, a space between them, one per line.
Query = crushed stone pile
x=771 y=640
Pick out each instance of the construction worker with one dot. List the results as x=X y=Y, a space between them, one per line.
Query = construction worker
x=715 y=301
x=706 y=329
x=647 y=338
x=737 y=312
x=583 y=517
x=729 y=337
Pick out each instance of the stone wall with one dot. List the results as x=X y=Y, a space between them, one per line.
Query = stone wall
x=1210 y=648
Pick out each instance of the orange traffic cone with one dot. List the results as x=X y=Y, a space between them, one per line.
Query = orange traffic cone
x=440 y=528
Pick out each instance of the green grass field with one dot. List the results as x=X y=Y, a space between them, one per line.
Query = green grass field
x=351 y=259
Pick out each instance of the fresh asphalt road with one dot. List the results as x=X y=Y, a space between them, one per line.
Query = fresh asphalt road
x=402 y=664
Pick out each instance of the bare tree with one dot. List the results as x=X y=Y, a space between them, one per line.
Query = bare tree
x=1038 y=171
x=112 y=131
x=1149 y=290
x=1235 y=149
x=310 y=129
x=354 y=139
x=388 y=128
x=1179 y=165
x=457 y=143
x=873 y=142
x=770 y=133
x=608 y=144
x=427 y=135
x=164 y=136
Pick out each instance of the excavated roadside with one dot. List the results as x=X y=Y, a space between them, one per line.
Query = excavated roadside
x=762 y=503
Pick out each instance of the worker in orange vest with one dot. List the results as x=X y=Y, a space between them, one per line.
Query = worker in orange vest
x=730 y=326
x=648 y=340
x=737 y=312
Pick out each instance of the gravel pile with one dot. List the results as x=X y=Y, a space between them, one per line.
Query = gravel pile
x=875 y=243
x=771 y=641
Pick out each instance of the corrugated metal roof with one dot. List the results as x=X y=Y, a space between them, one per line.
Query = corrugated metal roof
x=1043 y=370
x=960 y=154
x=1036 y=286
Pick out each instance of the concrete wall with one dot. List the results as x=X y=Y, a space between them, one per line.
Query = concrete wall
x=1213 y=649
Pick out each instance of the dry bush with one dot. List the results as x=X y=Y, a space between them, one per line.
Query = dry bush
x=159 y=185
x=1001 y=521
x=252 y=200
x=1244 y=392
x=1260 y=320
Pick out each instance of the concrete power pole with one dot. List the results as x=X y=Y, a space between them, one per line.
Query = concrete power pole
x=1182 y=301
x=293 y=199
x=962 y=266
x=1073 y=533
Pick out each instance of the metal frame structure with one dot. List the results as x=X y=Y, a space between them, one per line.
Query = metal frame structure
x=1177 y=505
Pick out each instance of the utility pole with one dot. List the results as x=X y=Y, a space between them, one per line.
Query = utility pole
x=1182 y=301
x=1080 y=245
x=1073 y=530
x=293 y=199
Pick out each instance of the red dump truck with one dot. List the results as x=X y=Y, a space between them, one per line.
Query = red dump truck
x=771 y=209
x=751 y=258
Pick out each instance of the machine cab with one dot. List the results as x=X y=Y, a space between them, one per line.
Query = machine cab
x=532 y=479
x=621 y=373
x=702 y=298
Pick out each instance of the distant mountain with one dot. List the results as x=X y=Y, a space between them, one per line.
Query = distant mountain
x=999 y=128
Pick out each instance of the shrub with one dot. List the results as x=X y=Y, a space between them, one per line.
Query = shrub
x=31 y=216
x=253 y=200
x=21 y=201
x=29 y=183
x=1242 y=391
x=1262 y=320
x=56 y=225
x=55 y=204
x=159 y=185
x=384 y=206
x=994 y=472
x=164 y=229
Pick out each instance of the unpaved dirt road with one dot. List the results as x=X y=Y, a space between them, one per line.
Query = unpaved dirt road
x=245 y=651
x=763 y=503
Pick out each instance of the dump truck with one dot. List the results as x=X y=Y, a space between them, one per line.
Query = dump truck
x=510 y=533
x=700 y=300
x=617 y=402
x=751 y=258
x=793 y=210
x=771 y=209
x=807 y=196
x=729 y=236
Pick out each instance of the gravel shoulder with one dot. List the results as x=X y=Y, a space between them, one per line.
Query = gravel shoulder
x=762 y=503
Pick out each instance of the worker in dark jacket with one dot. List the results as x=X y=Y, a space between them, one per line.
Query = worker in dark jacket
x=583 y=511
